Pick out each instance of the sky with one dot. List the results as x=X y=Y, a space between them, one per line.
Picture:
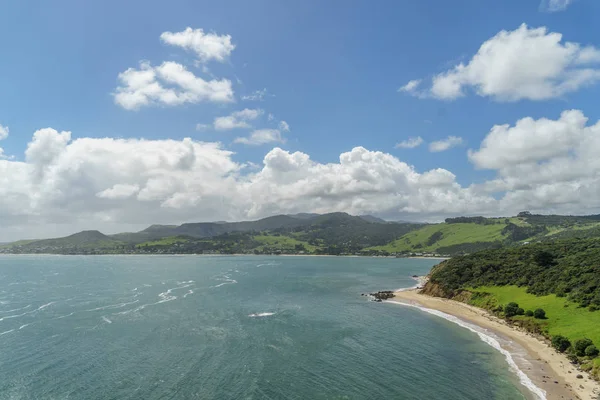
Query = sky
x=118 y=115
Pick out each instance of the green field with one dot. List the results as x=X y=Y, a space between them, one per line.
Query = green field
x=281 y=242
x=563 y=317
x=452 y=234
x=168 y=241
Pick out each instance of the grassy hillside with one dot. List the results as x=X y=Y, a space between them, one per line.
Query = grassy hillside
x=564 y=317
x=560 y=277
x=433 y=237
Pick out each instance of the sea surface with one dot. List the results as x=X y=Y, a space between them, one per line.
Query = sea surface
x=201 y=327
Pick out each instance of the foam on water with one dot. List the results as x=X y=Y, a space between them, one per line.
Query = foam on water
x=108 y=321
x=487 y=338
x=16 y=309
x=227 y=282
x=112 y=306
x=263 y=314
x=5 y=332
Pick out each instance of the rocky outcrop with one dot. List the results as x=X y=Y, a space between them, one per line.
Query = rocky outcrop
x=382 y=295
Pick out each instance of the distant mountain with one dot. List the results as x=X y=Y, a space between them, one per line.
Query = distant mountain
x=78 y=241
x=303 y=215
x=334 y=233
x=370 y=218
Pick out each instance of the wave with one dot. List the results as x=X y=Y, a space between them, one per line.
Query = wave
x=108 y=321
x=164 y=297
x=16 y=309
x=488 y=339
x=23 y=326
x=227 y=282
x=4 y=333
x=112 y=306
x=188 y=293
x=28 y=312
x=263 y=314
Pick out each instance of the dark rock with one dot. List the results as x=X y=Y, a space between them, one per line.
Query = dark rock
x=382 y=295
x=579 y=376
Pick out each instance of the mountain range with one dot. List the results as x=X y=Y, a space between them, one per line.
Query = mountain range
x=334 y=233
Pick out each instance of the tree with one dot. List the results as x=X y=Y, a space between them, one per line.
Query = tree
x=560 y=343
x=591 y=351
x=539 y=314
x=520 y=311
x=529 y=313
x=511 y=309
x=581 y=345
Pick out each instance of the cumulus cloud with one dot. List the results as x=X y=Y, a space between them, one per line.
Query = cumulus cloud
x=168 y=84
x=261 y=136
x=65 y=184
x=206 y=46
x=527 y=63
x=119 y=191
x=3 y=132
x=544 y=164
x=237 y=119
x=445 y=144
x=410 y=143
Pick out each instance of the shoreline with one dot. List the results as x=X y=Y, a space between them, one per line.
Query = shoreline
x=219 y=255
x=542 y=365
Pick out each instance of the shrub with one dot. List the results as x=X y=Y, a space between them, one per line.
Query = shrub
x=591 y=351
x=511 y=309
x=539 y=314
x=581 y=345
x=529 y=313
x=560 y=343
x=594 y=307
x=520 y=311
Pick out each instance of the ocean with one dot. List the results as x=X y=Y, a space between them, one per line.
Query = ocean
x=239 y=327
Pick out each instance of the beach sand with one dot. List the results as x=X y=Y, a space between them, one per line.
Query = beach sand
x=543 y=365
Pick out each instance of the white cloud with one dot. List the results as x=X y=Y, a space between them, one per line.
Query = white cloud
x=238 y=119
x=168 y=84
x=3 y=132
x=529 y=141
x=270 y=117
x=66 y=184
x=284 y=126
x=410 y=143
x=207 y=46
x=261 y=136
x=544 y=164
x=445 y=144
x=554 y=5
x=126 y=184
x=527 y=63
x=411 y=86
x=257 y=95
x=203 y=127
x=119 y=191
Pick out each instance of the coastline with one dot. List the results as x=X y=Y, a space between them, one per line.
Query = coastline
x=544 y=367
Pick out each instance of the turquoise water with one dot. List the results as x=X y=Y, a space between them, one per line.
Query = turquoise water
x=152 y=327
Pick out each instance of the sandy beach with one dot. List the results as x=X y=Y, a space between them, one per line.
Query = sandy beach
x=547 y=369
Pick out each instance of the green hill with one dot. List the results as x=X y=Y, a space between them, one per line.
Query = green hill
x=560 y=277
x=334 y=233
x=81 y=242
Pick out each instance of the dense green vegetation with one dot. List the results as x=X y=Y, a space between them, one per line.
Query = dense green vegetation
x=550 y=288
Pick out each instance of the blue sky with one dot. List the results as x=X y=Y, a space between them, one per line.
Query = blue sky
x=331 y=69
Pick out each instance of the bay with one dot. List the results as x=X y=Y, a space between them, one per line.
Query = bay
x=239 y=327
